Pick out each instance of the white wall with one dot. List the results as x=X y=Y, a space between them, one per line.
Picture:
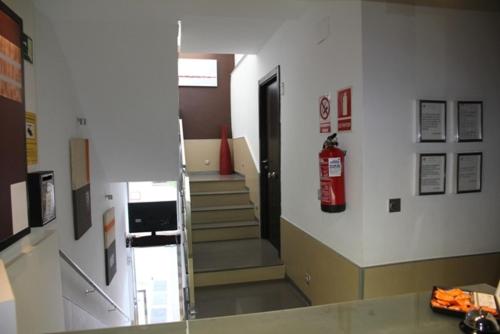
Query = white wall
x=35 y=277
x=245 y=103
x=310 y=70
x=42 y=261
x=420 y=52
x=58 y=106
x=392 y=55
x=123 y=74
x=51 y=93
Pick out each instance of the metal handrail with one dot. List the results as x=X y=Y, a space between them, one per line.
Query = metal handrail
x=182 y=145
x=94 y=286
x=187 y=243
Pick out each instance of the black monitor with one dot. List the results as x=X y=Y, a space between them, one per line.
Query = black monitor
x=152 y=216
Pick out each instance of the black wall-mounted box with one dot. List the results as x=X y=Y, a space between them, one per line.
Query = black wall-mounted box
x=42 y=198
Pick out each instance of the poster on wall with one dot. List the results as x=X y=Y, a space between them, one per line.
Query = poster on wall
x=470 y=121
x=31 y=139
x=432 y=121
x=197 y=72
x=344 y=109
x=432 y=174
x=80 y=185
x=109 y=244
x=469 y=172
x=13 y=195
x=325 y=124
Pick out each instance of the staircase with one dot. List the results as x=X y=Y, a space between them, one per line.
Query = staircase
x=227 y=247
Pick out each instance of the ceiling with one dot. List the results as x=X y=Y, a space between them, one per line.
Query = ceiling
x=235 y=26
x=211 y=26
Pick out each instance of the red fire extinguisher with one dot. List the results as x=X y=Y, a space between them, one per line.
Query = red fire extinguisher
x=331 y=172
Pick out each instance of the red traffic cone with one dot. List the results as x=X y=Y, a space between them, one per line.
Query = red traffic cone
x=225 y=164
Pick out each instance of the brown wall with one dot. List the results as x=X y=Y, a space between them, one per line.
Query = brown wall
x=204 y=109
x=12 y=130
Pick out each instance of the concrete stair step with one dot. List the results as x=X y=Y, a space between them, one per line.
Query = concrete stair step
x=214 y=186
x=223 y=208
x=226 y=231
x=222 y=214
x=219 y=225
x=243 y=275
x=214 y=176
x=220 y=198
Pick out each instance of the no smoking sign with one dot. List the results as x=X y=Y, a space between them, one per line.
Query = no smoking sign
x=325 y=124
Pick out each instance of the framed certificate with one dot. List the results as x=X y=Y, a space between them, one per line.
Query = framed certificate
x=470 y=121
x=432 y=174
x=431 y=121
x=469 y=172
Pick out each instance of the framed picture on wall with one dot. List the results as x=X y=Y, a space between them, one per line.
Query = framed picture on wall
x=469 y=172
x=470 y=121
x=431 y=121
x=109 y=244
x=80 y=185
x=432 y=174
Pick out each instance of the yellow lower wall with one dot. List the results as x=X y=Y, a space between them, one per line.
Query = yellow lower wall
x=336 y=279
x=423 y=275
x=333 y=278
x=244 y=164
x=202 y=155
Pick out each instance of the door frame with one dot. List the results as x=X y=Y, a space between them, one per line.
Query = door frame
x=274 y=74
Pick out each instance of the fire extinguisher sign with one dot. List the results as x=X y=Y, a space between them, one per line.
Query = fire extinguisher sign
x=325 y=124
x=344 y=109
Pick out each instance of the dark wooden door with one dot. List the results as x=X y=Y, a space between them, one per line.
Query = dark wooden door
x=270 y=171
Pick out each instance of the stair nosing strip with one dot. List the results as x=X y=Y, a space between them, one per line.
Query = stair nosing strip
x=223 y=208
x=227 y=180
x=222 y=192
x=202 y=226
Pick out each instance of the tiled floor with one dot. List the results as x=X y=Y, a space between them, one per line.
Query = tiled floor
x=234 y=254
x=247 y=298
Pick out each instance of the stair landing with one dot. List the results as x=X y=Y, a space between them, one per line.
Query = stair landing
x=217 y=301
x=236 y=261
x=234 y=254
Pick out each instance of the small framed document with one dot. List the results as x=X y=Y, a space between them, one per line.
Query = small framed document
x=470 y=121
x=469 y=172
x=432 y=174
x=431 y=121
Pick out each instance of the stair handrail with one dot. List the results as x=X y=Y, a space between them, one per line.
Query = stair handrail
x=182 y=145
x=94 y=285
x=187 y=246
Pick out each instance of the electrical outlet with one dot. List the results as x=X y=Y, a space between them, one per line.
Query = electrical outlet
x=307 y=278
x=394 y=205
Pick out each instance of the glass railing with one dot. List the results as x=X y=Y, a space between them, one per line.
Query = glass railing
x=184 y=211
